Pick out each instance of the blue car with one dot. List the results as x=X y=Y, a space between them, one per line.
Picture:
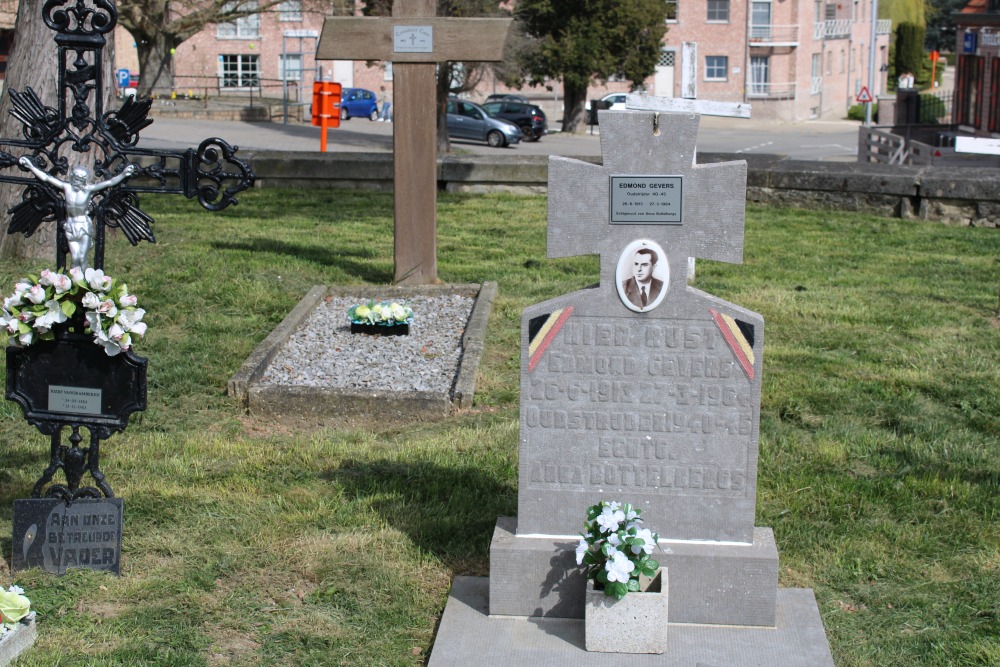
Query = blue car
x=358 y=102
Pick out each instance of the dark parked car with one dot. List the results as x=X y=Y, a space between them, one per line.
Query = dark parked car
x=528 y=117
x=358 y=102
x=507 y=97
x=470 y=121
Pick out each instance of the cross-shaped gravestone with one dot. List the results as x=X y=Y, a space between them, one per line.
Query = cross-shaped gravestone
x=415 y=40
x=648 y=195
x=642 y=389
x=67 y=381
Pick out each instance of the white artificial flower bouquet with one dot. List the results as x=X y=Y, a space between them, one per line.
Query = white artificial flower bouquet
x=40 y=302
x=384 y=313
x=14 y=607
x=615 y=549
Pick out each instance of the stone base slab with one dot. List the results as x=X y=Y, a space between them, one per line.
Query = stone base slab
x=713 y=583
x=468 y=635
x=18 y=640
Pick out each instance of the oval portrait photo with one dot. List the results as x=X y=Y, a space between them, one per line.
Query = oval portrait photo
x=642 y=275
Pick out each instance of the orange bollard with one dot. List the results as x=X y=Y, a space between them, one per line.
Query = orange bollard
x=325 y=108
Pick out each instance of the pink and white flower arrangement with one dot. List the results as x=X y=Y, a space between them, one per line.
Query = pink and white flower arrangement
x=40 y=302
x=615 y=549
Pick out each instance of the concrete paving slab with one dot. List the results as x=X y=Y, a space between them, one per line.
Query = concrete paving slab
x=469 y=636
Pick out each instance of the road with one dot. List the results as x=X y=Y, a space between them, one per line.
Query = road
x=816 y=140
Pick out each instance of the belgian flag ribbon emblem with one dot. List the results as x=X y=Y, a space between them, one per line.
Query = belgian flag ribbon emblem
x=739 y=336
x=541 y=331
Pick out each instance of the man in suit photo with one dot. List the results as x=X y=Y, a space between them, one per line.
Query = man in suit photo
x=642 y=288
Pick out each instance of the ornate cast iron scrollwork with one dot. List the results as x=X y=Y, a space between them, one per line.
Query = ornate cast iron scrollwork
x=76 y=19
x=212 y=173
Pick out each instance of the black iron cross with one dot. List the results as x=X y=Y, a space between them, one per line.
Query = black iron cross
x=211 y=172
x=51 y=380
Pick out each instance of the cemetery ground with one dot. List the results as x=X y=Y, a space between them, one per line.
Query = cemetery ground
x=248 y=544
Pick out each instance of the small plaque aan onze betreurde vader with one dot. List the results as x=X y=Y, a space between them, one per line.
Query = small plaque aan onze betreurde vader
x=646 y=200
x=54 y=536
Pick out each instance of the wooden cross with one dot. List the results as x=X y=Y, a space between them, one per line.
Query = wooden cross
x=80 y=125
x=415 y=40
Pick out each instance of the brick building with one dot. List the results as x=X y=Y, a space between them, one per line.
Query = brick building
x=791 y=59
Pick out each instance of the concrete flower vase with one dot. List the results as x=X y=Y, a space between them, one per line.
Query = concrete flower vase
x=18 y=640
x=635 y=624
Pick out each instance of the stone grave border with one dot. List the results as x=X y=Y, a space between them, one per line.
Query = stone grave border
x=18 y=640
x=325 y=404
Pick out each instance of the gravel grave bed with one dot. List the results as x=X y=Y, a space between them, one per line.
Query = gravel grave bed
x=324 y=353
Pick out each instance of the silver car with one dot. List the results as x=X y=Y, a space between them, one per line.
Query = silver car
x=470 y=121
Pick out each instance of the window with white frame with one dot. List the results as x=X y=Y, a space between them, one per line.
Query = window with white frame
x=718 y=10
x=239 y=70
x=760 y=19
x=387 y=72
x=290 y=66
x=716 y=68
x=760 y=75
x=671 y=9
x=247 y=27
x=290 y=10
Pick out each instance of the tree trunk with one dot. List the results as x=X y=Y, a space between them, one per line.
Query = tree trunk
x=33 y=63
x=574 y=118
x=156 y=64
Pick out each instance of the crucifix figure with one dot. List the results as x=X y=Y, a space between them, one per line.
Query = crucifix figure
x=80 y=125
x=78 y=227
x=414 y=40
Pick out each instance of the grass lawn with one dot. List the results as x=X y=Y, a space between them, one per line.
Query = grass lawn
x=247 y=544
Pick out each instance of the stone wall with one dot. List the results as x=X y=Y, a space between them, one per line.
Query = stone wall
x=950 y=194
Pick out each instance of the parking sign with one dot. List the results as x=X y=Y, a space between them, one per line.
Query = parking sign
x=123 y=78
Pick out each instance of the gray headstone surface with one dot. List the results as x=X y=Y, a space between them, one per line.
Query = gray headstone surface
x=655 y=404
x=50 y=534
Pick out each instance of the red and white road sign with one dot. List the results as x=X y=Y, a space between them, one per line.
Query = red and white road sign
x=864 y=96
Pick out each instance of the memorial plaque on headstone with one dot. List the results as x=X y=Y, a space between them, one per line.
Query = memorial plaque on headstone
x=54 y=535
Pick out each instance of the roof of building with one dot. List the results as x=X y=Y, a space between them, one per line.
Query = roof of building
x=981 y=7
